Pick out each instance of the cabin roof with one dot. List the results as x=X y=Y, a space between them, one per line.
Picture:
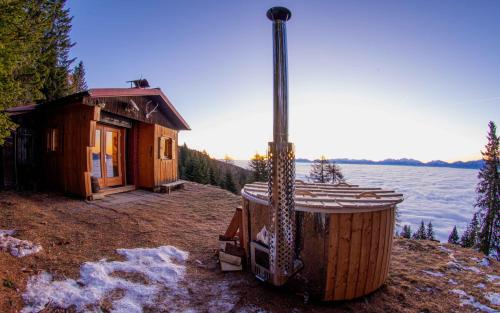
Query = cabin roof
x=97 y=93
x=100 y=93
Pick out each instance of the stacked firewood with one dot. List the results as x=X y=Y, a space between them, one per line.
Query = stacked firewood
x=231 y=254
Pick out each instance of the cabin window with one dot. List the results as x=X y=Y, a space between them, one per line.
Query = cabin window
x=52 y=140
x=166 y=150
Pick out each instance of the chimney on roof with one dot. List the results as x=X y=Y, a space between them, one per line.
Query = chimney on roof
x=139 y=83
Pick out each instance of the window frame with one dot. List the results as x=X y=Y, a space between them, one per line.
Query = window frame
x=53 y=140
x=166 y=148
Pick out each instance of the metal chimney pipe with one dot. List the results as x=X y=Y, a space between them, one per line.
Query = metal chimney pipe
x=279 y=16
x=281 y=161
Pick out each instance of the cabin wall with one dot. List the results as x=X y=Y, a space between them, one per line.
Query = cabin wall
x=145 y=160
x=152 y=170
x=68 y=168
x=165 y=169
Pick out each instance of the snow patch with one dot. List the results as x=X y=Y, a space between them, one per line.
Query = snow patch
x=484 y=262
x=17 y=247
x=452 y=282
x=493 y=297
x=480 y=286
x=472 y=269
x=444 y=249
x=162 y=266
x=493 y=278
x=466 y=299
x=434 y=274
x=457 y=266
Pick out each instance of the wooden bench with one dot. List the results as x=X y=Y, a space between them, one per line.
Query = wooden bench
x=168 y=187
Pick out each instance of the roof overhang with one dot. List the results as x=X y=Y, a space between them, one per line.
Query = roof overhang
x=99 y=93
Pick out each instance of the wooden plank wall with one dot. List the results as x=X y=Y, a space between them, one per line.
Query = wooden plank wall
x=69 y=168
x=154 y=171
x=165 y=170
x=146 y=155
x=358 y=253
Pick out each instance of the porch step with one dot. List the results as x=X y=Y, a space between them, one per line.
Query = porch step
x=109 y=191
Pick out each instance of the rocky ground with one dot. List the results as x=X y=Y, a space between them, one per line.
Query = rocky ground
x=424 y=276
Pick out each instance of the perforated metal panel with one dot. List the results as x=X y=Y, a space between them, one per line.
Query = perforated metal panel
x=281 y=158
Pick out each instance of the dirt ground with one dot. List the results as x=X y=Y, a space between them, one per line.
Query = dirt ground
x=72 y=232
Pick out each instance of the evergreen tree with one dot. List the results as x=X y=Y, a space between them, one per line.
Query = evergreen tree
x=453 y=238
x=334 y=173
x=34 y=54
x=420 y=234
x=212 y=178
x=469 y=237
x=199 y=167
x=319 y=171
x=56 y=45
x=22 y=28
x=259 y=166
x=229 y=182
x=242 y=179
x=488 y=195
x=78 y=82
x=194 y=170
x=406 y=232
x=429 y=234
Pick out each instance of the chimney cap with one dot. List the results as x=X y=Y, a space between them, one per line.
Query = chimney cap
x=279 y=13
x=139 y=83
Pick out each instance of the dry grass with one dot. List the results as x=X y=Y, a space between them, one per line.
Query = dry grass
x=72 y=232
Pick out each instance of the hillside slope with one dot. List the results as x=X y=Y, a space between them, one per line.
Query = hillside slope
x=425 y=276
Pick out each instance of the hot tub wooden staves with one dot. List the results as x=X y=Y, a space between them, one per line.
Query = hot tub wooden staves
x=344 y=235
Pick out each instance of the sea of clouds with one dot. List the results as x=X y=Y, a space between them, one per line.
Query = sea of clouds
x=444 y=196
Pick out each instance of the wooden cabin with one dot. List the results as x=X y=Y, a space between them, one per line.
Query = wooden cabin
x=93 y=142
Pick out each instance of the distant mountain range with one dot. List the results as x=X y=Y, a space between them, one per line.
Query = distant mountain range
x=407 y=162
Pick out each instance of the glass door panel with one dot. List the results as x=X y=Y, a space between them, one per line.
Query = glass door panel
x=107 y=156
x=96 y=155
x=111 y=155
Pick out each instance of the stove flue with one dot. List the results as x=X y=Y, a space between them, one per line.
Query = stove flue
x=281 y=158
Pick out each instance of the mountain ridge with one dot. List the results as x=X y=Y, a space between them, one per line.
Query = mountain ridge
x=476 y=164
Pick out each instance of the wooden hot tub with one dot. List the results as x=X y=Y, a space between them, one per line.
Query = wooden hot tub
x=343 y=235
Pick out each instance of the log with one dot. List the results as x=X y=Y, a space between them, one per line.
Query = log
x=228 y=258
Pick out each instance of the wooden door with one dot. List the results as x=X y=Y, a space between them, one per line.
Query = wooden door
x=107 y=156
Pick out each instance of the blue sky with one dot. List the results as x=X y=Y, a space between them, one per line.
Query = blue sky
x=368 y=79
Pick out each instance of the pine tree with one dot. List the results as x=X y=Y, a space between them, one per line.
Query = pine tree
x=488 y=195
x=334 y=173
x=212 y=178
x=429 y=234
x=259 y=166
x=229 y=182
x=420 y=234
x=194 y=170
x=319 y=171
x=453 y=238
x=406 y=232
x=22 y=28
x=469 y=237
x=78 y=82
x=56 y=45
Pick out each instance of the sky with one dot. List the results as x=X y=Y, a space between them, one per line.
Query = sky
x=367 y=79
